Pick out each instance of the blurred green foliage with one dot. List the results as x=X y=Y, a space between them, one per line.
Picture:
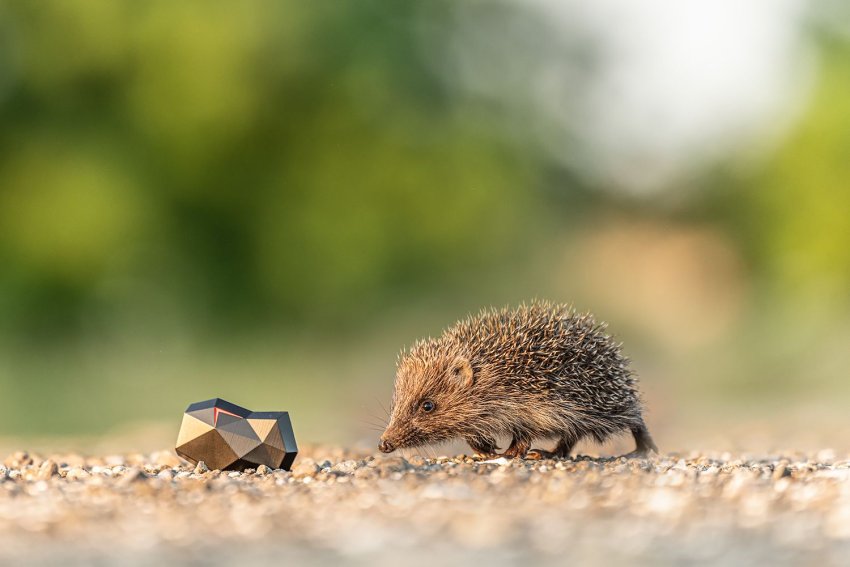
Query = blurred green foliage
x=799 y=206
x=237 y=162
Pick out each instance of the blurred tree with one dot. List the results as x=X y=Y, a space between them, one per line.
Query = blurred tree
x=240 y=161
x=792 y=213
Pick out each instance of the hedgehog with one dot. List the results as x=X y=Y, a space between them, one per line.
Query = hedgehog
x=540 y=371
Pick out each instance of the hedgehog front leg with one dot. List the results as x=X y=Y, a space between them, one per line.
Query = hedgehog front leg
x=483 y=446
x=561 y=451
x=519 y=447
x=564 y=447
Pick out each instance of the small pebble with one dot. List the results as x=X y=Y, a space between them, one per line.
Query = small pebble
x=48 y=470
x=346 y=467
x=165 y=474
x=390 y=464
x=77 y=473
x=18 y=460
x=305 y=467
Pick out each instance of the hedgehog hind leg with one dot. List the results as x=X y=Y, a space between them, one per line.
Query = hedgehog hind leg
x=565 y=446
x=520 y=444
x=483 y=446
x=643 y=441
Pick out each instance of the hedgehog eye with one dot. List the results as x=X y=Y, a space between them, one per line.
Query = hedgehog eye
x=428 y=406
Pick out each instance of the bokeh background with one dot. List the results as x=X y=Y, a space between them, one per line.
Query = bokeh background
x=265 y=200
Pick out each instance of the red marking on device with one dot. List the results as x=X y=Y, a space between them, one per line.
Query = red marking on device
x=217 y=411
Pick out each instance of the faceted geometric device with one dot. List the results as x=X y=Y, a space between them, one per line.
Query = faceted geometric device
x=228 y=437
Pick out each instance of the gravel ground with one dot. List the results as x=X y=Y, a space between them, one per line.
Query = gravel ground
x=339 y=506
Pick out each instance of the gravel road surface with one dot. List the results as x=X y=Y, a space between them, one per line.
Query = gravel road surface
x=340 y=506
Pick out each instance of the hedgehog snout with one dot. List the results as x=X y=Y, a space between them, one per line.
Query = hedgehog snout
x=396 y=438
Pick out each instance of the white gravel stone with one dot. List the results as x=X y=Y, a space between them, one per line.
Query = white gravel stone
x=77 y=473
x=48 y=470
x=166 y=474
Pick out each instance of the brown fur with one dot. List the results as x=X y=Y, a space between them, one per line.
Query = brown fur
x=538 y=371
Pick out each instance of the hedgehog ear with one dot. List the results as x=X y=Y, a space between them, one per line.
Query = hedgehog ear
x=461 y=371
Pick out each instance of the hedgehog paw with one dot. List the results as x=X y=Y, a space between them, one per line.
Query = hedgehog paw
x=540 y=455
x=519 y=447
